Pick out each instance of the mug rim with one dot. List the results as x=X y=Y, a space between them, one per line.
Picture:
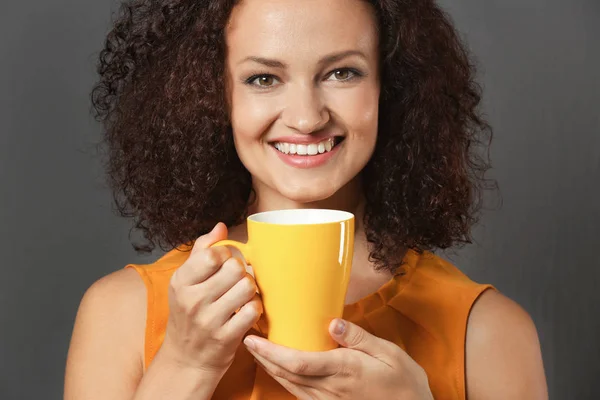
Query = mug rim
x=342 y=216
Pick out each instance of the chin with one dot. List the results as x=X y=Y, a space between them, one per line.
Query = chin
x=308 y=193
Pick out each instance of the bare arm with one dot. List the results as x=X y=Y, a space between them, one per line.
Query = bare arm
x=105 y=358
x=503 y=357
x=203 y=332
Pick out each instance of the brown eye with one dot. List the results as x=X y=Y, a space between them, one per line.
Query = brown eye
x=265 y=81
x=342 y=74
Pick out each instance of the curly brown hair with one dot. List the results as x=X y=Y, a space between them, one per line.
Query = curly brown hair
x=173 y=166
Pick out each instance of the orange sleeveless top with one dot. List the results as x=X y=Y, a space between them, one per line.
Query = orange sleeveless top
x=424 y=311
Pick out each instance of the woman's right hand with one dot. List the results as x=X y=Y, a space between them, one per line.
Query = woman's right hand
x=204 y=331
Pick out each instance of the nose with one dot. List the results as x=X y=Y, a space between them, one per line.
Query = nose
x=305 y=110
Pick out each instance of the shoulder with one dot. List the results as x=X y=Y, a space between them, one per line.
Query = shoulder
x=493 y=337
x=122 y=292
x=114 y=302
x=106 y=350
x=503 y=357
x=113 y=308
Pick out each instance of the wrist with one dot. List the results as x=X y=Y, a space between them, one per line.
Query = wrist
x=173 y=361
x=168 y=377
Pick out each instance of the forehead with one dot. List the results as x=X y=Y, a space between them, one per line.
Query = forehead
x=281 y=28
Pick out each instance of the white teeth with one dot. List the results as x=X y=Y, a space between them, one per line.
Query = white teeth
x=301 y=149
x=304 y=149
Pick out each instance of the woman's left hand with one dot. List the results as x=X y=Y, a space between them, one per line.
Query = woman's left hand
x=366 y=367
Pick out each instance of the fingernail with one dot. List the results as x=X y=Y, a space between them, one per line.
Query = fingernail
x=340 y=326
x=251 y=344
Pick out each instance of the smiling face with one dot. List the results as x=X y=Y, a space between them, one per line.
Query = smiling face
x=303 y=90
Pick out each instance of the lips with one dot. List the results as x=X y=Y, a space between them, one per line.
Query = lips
x=311 y=149
x=310 y=155
x=307 y=146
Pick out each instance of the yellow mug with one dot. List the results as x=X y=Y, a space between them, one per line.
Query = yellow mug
x=302 y=261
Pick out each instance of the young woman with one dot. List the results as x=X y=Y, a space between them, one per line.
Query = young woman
x=217 y=109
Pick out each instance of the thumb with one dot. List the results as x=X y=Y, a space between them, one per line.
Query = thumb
x=219 y=232
x=354 y=337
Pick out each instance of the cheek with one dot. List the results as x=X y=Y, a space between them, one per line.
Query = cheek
x=251 y=116
x=359 y=112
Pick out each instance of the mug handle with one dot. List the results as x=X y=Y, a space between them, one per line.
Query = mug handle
x=244 y=248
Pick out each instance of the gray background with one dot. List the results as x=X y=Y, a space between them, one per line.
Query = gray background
x=540 y=66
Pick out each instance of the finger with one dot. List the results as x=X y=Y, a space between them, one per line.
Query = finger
x=201 y=265
x=307 y=363
x=244 y=319
x=354 y=337
x=295 y=384
x=304 y=388
x=219 y=232
x=236 y=297
x=230 y=273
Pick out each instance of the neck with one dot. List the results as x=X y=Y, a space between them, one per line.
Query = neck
x=348 y=198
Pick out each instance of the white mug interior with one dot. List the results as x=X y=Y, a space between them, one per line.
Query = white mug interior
x=310 y=216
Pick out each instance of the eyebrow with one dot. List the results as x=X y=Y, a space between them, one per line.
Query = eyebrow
x=331 y=58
